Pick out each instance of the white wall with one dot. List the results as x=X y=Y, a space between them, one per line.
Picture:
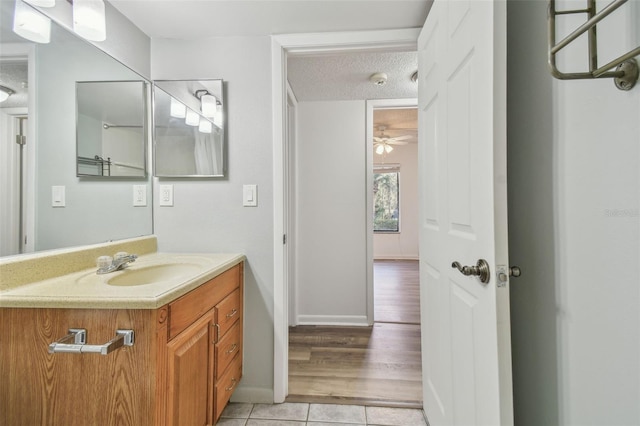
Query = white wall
x=403 y=245
x=208 y=215
x=331 y=221
x=574 y=229
x=95 y=210
x=125 y=42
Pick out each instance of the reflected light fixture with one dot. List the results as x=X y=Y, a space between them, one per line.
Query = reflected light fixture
x=192 y=118
x=217 y=119
x=205 y=126
x=31 y=24
x=5 y=92
x=208 y=102
x=42 y=3
x=178 y=109
x=89 y=19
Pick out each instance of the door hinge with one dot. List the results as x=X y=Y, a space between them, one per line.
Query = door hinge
x=21 y=140
x=284 y=238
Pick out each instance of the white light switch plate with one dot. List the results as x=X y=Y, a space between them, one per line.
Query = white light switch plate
x=166 y=195
x=58 y=198
x=250 y=195
x=139 y=195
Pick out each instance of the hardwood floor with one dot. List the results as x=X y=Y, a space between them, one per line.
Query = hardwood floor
x=378 y=365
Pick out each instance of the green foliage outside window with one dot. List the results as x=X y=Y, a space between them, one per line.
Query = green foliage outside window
x=386 y=202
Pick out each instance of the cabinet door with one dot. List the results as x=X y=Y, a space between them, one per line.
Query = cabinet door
x=191 y=369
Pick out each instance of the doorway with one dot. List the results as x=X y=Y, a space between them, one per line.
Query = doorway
x=338 y=153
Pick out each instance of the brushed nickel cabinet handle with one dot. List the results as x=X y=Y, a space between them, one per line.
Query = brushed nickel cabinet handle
x=79 y=346
x=232 y=313
x=232 y=348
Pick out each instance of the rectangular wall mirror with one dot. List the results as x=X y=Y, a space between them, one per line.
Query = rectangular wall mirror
x=111 y=128
x=42 y=113
x=189 y=130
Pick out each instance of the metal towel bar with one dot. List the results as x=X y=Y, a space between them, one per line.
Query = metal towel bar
x=79 y=346
x=626 y=72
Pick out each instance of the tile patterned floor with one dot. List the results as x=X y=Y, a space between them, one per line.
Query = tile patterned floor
x=303 y=414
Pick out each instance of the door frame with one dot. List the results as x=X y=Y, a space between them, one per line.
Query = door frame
x=371 y=106
x=281 y=47
x=27 y=51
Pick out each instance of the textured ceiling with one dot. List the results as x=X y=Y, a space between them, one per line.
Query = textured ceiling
x=13 y=74
x=345 y=76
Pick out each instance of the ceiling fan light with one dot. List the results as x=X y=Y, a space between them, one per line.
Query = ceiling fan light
x=388 y=148
x=178 y=109
x=5 y=92
x=31 y=24
x=89 y=20
x=379 y=149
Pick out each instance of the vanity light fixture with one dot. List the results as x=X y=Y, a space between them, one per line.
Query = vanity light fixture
x=31 y=24
x=217 y=119
x=205 y=126
x=5 y=92
x=208 y=102
x=192 y=118
x=42 y=3
x=89 y=20
x=178 y=109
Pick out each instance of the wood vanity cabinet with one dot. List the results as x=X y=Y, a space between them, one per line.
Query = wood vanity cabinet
x=181 y=370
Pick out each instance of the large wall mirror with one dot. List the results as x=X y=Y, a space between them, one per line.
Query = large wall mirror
x=111 y=128
x=189 y=135
x=42 y=108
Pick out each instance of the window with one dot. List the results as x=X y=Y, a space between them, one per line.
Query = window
x=386 y=199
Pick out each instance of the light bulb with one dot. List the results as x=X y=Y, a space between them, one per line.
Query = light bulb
x=379 y=149
x=208 y=105
x=217 y=119
x=89 y=19
x=193 y=118
x=205 y=126
x=388 y=148
x=178 y=109
x=31 y=24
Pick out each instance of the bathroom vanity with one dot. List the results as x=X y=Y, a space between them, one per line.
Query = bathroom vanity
x=181 y=368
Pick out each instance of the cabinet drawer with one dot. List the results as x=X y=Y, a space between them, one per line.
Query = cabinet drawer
x=229 y=310
x=193 y=305
x=227 y=348
x=227 y=384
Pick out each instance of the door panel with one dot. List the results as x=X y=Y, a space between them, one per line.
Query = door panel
x=462 y=113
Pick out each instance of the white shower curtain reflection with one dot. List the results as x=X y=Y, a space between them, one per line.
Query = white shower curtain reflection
x=205 y=153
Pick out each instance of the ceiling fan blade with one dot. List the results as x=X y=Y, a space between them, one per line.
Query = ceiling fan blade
x=377 y=139
x=400 y=138
x=392 y=142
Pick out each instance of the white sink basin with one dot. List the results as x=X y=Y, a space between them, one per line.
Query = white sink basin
x=153 y=274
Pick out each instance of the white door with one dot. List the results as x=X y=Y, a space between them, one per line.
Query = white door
x=462 y=160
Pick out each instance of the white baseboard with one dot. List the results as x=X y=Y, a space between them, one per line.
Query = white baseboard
x=346 y=320
x=252 y=395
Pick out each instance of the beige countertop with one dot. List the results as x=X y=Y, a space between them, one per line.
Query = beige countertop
x=86 y=289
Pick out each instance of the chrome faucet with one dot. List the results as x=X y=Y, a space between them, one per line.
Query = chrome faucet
x=118 y=263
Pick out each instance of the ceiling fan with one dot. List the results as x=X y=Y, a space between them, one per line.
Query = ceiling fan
x=382 y=144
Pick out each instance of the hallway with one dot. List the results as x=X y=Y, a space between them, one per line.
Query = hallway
x=379 y=365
